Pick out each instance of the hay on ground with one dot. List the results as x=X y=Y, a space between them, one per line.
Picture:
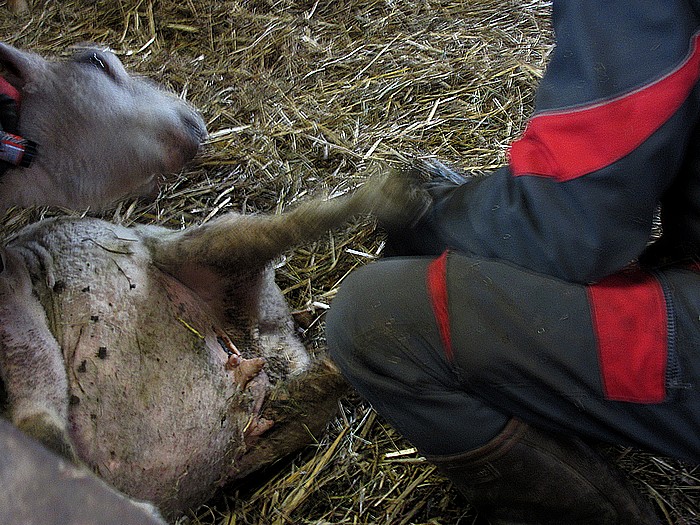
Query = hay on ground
x=299 y=98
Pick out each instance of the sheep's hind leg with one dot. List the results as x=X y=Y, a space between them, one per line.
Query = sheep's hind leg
x=232 y=242
x=300 y=409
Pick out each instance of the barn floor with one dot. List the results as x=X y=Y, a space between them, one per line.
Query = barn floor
x=299 y=98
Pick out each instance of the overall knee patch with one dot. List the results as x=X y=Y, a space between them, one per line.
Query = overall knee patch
x=630 y=322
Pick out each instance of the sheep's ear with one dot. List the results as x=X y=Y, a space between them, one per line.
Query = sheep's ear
x=18 y=67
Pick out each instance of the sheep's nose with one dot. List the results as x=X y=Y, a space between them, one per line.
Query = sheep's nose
x=195 y=125
x=194 y=133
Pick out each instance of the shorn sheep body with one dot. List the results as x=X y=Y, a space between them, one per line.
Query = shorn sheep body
x=167 y=361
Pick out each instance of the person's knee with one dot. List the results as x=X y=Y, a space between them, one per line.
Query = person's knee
x=382 y=320
x=350 y=311
x=371 y=316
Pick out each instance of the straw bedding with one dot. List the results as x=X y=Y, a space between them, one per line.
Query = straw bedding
x=299 y=97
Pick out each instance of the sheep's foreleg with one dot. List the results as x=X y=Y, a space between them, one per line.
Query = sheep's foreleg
x=31 y=365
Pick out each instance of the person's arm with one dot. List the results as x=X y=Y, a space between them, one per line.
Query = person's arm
x=614 y=113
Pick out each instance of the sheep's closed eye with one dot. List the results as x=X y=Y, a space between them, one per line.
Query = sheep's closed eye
x=96 y=60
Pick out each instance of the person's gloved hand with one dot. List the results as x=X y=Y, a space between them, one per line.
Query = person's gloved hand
x=435 y=179
x=436 y=173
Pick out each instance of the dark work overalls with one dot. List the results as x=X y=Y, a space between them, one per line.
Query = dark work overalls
x=518 y=294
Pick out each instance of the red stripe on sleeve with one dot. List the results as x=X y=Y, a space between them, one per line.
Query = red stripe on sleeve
x=436 y=280
x=569 y=144
x=630 y=322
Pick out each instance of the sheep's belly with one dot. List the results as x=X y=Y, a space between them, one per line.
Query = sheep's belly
x=153 y=408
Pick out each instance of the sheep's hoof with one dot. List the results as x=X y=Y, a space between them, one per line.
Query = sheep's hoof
x=18 y=6
x=395 y=197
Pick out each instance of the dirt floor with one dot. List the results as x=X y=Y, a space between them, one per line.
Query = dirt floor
x=299 y=98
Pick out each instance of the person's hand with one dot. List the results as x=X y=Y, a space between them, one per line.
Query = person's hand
x=394 y=196
x=429 y=180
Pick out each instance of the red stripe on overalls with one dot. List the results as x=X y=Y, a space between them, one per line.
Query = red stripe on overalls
x=436 y=281
x=629 y=317
x=569 y=144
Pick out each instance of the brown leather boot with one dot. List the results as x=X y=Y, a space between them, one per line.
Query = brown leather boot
x=527 y=477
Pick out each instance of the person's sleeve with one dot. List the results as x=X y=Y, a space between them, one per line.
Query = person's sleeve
x=614 y=113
